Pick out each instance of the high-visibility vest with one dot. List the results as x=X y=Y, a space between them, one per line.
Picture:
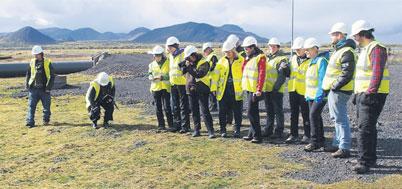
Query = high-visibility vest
x=297 y=80
x=206 y=79
x=156 y=71
x=46 y=67
x=176 y=76
x=312 y=79
x=272 y=73
x=334 y=69
x=364 y=71
x=250 y=74
x=221 y=74
x=95 y=85
x=209 y=59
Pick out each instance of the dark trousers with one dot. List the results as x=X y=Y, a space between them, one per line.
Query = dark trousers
x=369 y=107
x=213 y=103
x=95 y=111
x=317 y=125
x=181 y=112
x=201 y=100
x=34 y=96
x=274 y=107
x=253 y=114
x=227 y=104
x=298 y=104
x=162 y=104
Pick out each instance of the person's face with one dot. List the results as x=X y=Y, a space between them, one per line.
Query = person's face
x=230 y=54
x=248 y=50
x=171 y=49
x=358 y=39
x=273 y=49
x=300 y=52
x=336 y=37
x=311 y=52
x=39 y=56
x=191 y=58
x=158 y=57
x=207 y=51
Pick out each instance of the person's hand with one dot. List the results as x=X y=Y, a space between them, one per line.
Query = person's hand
x=214 y=93
x=188 y=63
x=258 y=93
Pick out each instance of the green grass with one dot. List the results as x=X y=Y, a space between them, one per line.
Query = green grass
x=70 y=154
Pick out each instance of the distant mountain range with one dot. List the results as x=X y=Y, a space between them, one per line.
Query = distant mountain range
x=186 y=32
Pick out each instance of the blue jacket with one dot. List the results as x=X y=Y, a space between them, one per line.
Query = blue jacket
x=321 y=73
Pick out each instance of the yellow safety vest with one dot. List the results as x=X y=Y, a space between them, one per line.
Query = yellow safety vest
x=272 y=73
x=96 y=86
x=297 y=80
x=209 y=58
x=364 y=71
x=176 y=76
x=206 y=79
x=156 y=71
x=312 y=79
x=334 y=70
x=46 y=67
x=250 y=74
x=221 y=74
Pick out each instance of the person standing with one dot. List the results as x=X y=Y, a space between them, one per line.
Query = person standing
x=211 y=57
x=371 y=90
x=39 y=81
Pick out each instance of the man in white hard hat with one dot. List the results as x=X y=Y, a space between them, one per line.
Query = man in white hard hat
x=158 y=74
x=226 y=85
x=181 y=110
x=277 y=69
x=196 y=69
x=371 y=89
x=211 y=57
x=236 y=40
x=39 y=81
x=296 y=88
x=315 y=95
x=101 y=93
x=338 y=84
x=253 y=84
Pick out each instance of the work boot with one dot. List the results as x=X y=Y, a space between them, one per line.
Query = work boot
x=236 y=134
x=256 y=140
x=305 y=140
x=184 y=130
x=291 y=139
x=196 y=133
x=341 y=153
x=161 y=128
x=361 y=169
x=29 y=125
x=248 y=138
x=312 y=147
x=106 y=125
x=46 y=123
x=331 y=149
x=224 y=135
x=173 y=129
x=95 y=126
x=276 y=136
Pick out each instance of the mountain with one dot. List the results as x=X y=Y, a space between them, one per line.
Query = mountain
x=82 y=34
x=195 y=32
x=60 y=34
x=27 y=36
x=137 y=32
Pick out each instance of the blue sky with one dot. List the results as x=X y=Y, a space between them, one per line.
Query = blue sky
x=268 y=18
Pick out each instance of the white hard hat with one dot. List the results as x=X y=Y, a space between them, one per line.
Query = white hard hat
x=248 y=41
x=172 y=40
x=189 y=50
x=338 y=27
x=37 y=50
x=228 y=45
x=359 y=26
x=274 y=41
x=102 y=79
x=206 y=45
x=156 y=50
x=310 y=42
x=233 y=38
x=298 y=43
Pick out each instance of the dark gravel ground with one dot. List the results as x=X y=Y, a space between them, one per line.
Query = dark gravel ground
x=133 y=88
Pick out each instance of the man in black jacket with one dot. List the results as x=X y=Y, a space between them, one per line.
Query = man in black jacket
x=338 y=85
x=196 y=69
x=39 y=82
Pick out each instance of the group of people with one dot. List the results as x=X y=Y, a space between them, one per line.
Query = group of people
x=184 y=82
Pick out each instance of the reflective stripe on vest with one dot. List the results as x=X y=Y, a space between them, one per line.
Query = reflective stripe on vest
x=176 y=76
x=334 y=70
x=220 y=79
x=364 y=71
x=312 y=79
x=272 y=73
x=157 y=71
x=297 y=78
x=46 y=67
x=250 y=74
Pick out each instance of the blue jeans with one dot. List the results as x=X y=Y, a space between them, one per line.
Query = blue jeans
x=34 y=96
x=337 y=103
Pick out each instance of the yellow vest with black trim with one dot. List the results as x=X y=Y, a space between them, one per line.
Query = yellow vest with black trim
x=176 y=76
x=250 y=74
x=312 y=79
x=46 y=67
x=364 y=71
x=209 y=58
x=206 y=79
x=96 y=86
x=272 y=73
x=221 y=75
x=297 y=80
x=334 y=69
x=156 y=71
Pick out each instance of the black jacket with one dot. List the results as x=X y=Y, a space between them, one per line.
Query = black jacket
x=348 y=64
x=107 y=90
x=193 y=73
x=43 y=77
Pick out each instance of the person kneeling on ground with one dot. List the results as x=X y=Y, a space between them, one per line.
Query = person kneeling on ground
x=101 y=92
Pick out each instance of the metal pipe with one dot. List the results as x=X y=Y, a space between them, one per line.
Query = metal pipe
x=20 y=69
